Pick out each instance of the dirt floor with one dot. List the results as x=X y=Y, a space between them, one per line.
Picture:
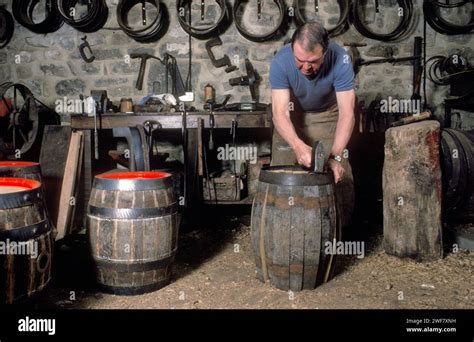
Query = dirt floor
x=214 y=269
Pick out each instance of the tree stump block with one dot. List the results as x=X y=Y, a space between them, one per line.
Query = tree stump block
x=412 y=191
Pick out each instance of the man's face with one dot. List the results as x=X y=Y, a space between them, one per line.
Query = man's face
x=307 y=62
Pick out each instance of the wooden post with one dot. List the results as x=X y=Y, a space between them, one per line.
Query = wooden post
x=412 y=192
x=72 y=173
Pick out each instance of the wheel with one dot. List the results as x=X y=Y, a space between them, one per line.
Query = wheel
x=19 y=123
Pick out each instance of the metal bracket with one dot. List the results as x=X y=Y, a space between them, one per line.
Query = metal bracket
x=82 y=49
x=221 y=62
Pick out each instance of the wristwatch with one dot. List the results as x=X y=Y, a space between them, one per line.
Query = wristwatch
x=335 y=157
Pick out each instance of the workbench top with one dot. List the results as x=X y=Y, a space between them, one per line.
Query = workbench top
x=173 y=120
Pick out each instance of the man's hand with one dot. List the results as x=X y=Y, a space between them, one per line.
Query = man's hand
x=303 y=154
x=337 y=169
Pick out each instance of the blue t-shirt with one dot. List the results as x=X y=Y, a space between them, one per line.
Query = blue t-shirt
x=336 y=74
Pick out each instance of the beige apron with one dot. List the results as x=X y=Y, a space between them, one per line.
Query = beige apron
x=318 y=126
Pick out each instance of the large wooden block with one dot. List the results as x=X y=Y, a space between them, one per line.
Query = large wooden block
x=412 y=191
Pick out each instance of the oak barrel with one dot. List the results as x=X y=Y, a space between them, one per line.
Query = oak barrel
x=26 y=241
x=457 y=163
x=20 y=169
x=293 y=216
x=133 y=230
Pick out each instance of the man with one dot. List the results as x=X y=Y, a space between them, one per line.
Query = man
x=313 y=98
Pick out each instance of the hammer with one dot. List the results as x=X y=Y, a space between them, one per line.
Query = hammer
x=318 y=157
x=141 y=74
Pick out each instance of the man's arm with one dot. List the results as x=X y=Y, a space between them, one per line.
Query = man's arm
x=345 y=122
x=344 y=128
x=284 y=126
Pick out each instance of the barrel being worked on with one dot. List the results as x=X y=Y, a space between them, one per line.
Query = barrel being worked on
x=133 y=230
x=20 y=169
x=293 y=220
x=26 y=241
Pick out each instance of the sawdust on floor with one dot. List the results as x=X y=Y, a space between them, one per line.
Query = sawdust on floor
x=215 y=270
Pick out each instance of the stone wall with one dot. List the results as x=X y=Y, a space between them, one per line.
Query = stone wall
x=52 y=67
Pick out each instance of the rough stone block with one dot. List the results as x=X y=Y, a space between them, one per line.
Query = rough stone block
x=54 y=70
x=70 y=87
x=108 y=82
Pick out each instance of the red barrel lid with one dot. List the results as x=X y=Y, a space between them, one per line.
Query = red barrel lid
x=134 y=175
x=26 y=184
x=17 y=163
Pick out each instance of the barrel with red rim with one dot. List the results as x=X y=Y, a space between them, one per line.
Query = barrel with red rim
x=133 y=229
x=26 y=241
x=20 y=169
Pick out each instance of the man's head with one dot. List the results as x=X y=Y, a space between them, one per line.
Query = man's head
x=309 y=43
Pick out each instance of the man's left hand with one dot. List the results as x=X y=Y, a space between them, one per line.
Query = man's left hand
x=337 y=169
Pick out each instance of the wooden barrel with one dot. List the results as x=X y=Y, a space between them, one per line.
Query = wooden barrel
x=293 y=216
x=20 y=169
x=457 y=162
x=26 y=241
x=133 y=230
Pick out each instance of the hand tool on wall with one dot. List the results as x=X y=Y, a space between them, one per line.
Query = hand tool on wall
x=144 y=59
x=85 y=46
x=358 y=61
x=178 y=88
x=416 y=59
x=101 y=102
x=221 y=62
x=251 y=80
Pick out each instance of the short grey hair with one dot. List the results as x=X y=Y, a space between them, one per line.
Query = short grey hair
x=310 y=35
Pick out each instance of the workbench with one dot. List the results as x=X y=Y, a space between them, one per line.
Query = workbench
x=173 y=120
x=165 y=121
